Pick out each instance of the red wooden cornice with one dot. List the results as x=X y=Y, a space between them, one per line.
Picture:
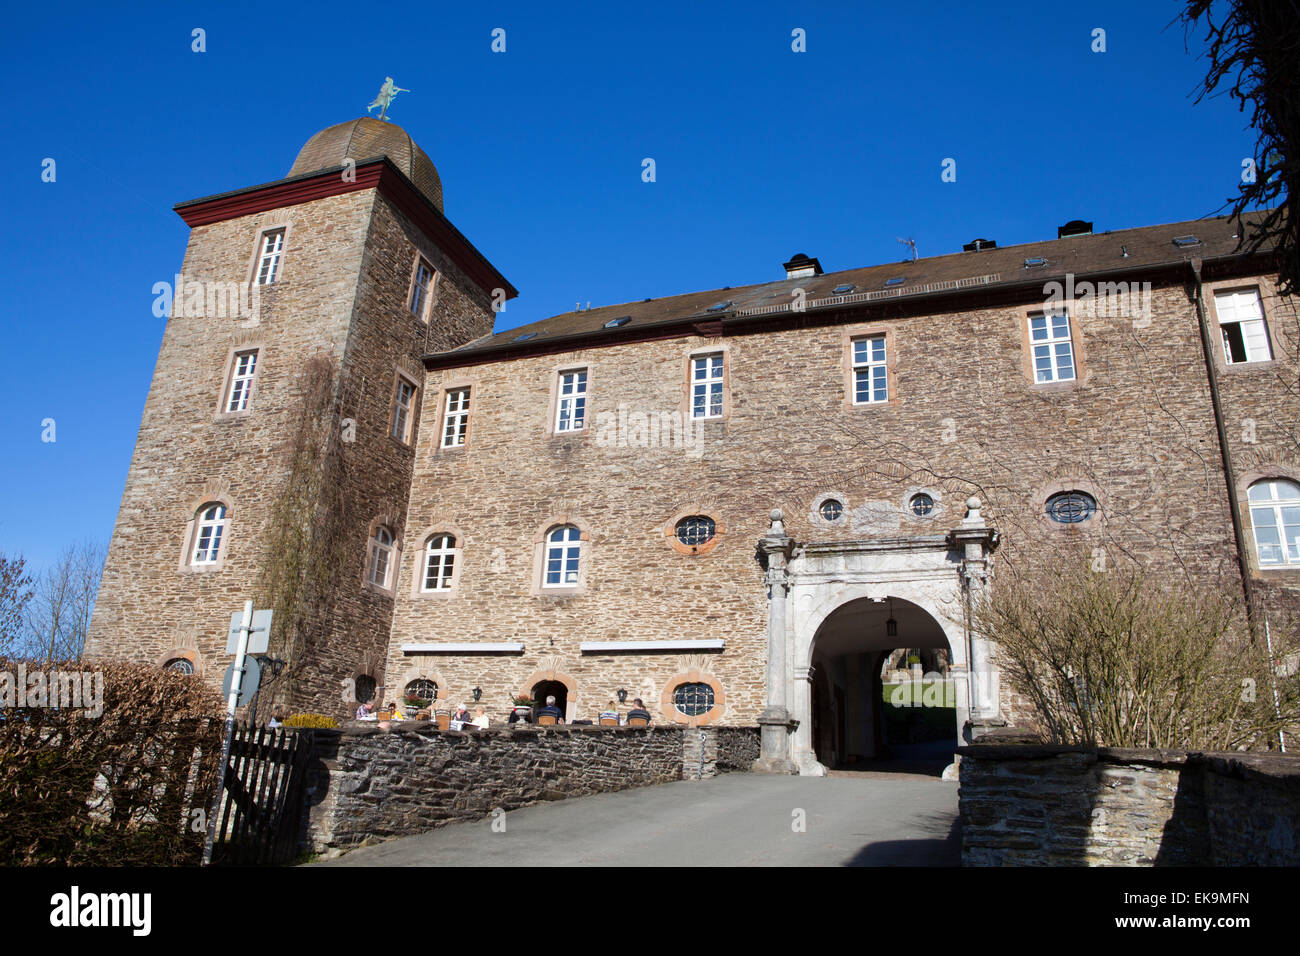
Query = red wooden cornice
x=377 y=173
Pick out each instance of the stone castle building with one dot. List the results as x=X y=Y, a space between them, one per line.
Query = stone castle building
x=733 y=504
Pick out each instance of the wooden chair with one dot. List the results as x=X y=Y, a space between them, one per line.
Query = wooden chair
x=385 y=715
x=546 y=720
x=609 y=721
x=444 y=720
x=637 y=722
x=423 y=715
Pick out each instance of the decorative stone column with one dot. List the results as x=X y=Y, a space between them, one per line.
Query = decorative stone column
x=976 y=541
x=774 y=723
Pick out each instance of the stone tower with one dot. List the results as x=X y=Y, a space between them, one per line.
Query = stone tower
x=275 y=454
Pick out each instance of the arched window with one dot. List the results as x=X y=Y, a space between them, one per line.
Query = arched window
x=211 y=520
x=1275 y=515
x=364 y=687
x=381 y=557
x=422 y=689
x=693 y=699
x=563 y=553
x=439 y=562
x=180 y=665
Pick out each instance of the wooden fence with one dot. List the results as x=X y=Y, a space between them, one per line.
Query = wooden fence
x=263 y=797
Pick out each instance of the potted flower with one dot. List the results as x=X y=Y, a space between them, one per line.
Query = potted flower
x=523 y=706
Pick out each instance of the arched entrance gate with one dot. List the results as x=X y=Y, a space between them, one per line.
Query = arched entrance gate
x=935 y=576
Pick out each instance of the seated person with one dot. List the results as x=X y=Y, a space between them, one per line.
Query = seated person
x=638 y=711
x=550 y=710
x=481 y=718
x=366 y=711
x=397 y=714
x=610 y=711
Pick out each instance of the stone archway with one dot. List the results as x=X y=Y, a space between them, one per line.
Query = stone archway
x=939 y=574
x=547 y=673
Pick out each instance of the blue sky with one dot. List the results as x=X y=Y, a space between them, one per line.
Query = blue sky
x=760 y=152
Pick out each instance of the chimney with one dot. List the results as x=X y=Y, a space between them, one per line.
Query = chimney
x=1075 y=227
x=975 y=245
x=801 y=266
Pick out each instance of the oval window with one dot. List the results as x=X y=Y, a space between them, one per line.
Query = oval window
x=696 y=530
x=693 y=699
x=921 y=505
x=831 y=509
x=1071 y=507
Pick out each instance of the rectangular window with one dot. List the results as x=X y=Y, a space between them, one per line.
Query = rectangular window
x=455 y=418
x=571 y=409
x=268 y=263
x=1241 y=320
x=706 y=386
x=241 y=381
x=870 y=374
x=421 y=288
x=402 y=409
x=1049 y=339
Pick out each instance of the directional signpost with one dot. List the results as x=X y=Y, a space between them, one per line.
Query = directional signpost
x=242 y=680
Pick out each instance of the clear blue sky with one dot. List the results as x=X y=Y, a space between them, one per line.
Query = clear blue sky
x=761 y=152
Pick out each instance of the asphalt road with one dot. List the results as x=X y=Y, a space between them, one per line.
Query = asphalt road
x=739 y=819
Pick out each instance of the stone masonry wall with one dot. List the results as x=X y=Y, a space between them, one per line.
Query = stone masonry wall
x=372 y=783
x=1061 y=806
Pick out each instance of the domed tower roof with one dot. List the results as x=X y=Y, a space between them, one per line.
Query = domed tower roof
x=364 y=138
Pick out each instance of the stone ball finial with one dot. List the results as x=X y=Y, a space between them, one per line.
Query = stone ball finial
x=973 y=503
x=776 y=514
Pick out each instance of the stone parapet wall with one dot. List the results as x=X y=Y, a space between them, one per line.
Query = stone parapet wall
x=1033 y=805
x=373 y=783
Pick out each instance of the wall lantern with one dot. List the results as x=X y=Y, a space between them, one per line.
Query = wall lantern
x=622 y=695
x=478 y=692
x=891 y=626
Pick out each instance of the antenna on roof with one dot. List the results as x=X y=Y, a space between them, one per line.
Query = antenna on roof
x=911 y=244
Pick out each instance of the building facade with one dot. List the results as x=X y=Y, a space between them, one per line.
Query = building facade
x=731 y=504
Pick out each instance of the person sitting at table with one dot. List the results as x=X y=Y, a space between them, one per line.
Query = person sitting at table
x=609 y=713
x=481 y=718
x=392 y=709
x=462 y=715
x=638 y=711
x=550 y=710
x=366 y=711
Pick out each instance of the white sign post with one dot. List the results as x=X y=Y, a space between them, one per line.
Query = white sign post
x=246 y=628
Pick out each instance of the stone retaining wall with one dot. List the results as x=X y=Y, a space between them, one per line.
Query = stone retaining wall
x=1051 y=805
x=371 y=783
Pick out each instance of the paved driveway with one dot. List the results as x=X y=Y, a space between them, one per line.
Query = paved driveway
x=737 y=819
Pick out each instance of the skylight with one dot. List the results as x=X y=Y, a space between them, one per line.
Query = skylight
x=525 y=337
x=844 y=288
x=1183 y=242
x=897 y=280
x=621 y=320
x=719 y=306
x=1034 y=262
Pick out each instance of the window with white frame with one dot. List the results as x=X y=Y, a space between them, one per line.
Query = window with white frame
x=563 y=554
x=870 y=373
x=402 y=402
x=241 y=381
x=208 y=534
x=706 y=385
x=1053 y=351
x=381 y=557
x=571 y=406
x=421 y=289
x=1275 y=516
x=1241 y=321
x=268 y=261
x=439 y=563
x=455 y=418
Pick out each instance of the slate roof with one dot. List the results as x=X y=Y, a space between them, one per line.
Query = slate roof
x=1148 y=247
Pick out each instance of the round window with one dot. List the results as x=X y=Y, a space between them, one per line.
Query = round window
x=1071 y=507
x=365 y=687
x=693 y=699
x=831 y=509
x=921 y=505
x=180 y=666
x=696 y=530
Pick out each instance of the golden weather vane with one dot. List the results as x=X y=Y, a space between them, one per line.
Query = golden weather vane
x=385 y=97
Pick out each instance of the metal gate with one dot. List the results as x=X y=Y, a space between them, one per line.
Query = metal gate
x=263 y=797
